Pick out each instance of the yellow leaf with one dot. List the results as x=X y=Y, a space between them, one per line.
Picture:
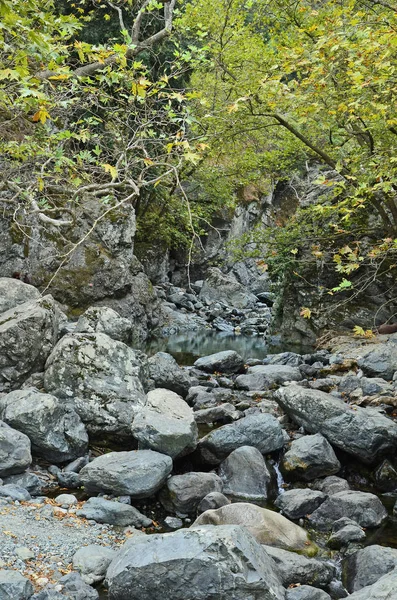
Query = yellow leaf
x=111 y=170
x=305 y=312
x=41 y=115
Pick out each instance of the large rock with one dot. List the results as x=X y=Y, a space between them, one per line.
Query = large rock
x=138 y=474
x=364 y=508
x=267 y=526
x=384 y=589
x=92 y=562
x=166 y=424
x=309 y=457
x=28 y=332
x=14 y=587
x=306 y=592
x=262 y=431
x=55 y=430
x=225 y=288
x=297 y=503
x=227 y=361
x=14 y=292
x=366 y=566
x=183 y=493
x=15 y=456
x=297 y=569
x=102 y=319
x=198 y=564
x=113 y=513
x=166 y=373
x=362 y=432
x=246 y=476
x=101 y=375
x=264 y=377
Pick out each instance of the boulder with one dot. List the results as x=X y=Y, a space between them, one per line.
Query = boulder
x=166 y=373
x=55 y=430
x=15 y=456
x=365 y=567
x=364 y=508
x=227 y=361
x=344 y=532
x=306 y=592
x=138 y=474
x=183 y=493
x=361 y=432
x=165 y=424
x=15 y=492
x=331 y=485
x=33 y=484
x=264 y=377
x=224 y=413
x=211 y=501
x=309 y=457
x=92 y=562
x=102 y=319
x=384 y=589
x=297 y=569
x=262 y=431
x=246 y=476
x=101 y=375
x=267 y=526
x=198 y=564
x=13 y=586
x=14 y=292
x=28 y=332
x=298 y=503
x=113 y=513
x=386 y=477
x=225 y=288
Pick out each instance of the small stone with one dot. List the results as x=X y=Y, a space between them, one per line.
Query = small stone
x=66 y=500
x=173 y=522
x=24 y=553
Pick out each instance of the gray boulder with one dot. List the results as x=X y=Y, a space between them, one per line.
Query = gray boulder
x=365 y=567
x=227 y=361
x=306 y=592
x=33 y=484
x=264 y=377
x=55 y=430
x=13 y=586
x=331 y=485
x=246 y=476
x=224 y=413
x=102 y=319
x=15 y=456
x=165 y=424
x=138 y=474
x=362 y=432
x=344 y=532
x=262 y=431
x=74 y=588
x=113 y=513
x=378 y=360
x=28 y=333
x=212 y=501
x=309 y=457
x=364 y=508
x=225 y=288
x=267 y=526
x=101 y=375
x=183 y=493
x=384 y=589
x=166 y=373
x=298 y=503
x=15 y=492
x=14 y=292
x=92 y=562
x=202 y=563
x=295 y=568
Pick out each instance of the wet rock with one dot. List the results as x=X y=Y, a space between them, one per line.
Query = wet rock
x=264 y=377
x=196 y=564
x=166 y=424
x=55 y=430
x=306 y=592
x=331 y=485
x=298 y=503
x=246 y=476
x=13 y=586
x=102 y=319
x=182 y=493
x=138 y=474
x=261 y=431
x=383 y=589
x=113 y=513
x=364 y=508
x=267 y=526
x=166 y=373
x=28 y=333
x=15 y=456
x=221 y=362
x=362 y=432
x=365 y=567
x=295 y=568
x=212 y=501
x=101 y=375
x=309 y=457
x=386 y=477
x=92 y=562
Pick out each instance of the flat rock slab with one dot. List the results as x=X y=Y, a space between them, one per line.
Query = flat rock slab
x=222 y=362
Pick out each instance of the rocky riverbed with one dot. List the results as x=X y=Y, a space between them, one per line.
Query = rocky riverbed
x=125 y=476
